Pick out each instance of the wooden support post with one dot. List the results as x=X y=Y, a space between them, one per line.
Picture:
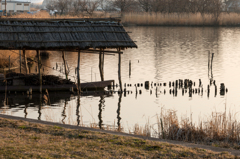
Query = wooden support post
x=119 y=70
x=25 y=61
x=130 y=68
x=39 y=71
x=78 y=73
x=20 y=61
x=65 y=66
x=101 y=62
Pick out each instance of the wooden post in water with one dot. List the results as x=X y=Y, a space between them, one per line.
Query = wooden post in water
x=101 y=63
x=65 y=67
x=25 y=61
x=9 y=63
x=130 y=68
x=119 y=69
x=39 y=71
x=78 y=73
x=20 y=61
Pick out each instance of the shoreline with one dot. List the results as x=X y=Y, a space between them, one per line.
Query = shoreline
x=72 y=127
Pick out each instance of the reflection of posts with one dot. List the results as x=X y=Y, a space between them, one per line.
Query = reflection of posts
x=100 y=107
x=77 y=111
x=40 y=107
x=25 y=111
x=118 y=112
x=64 y=112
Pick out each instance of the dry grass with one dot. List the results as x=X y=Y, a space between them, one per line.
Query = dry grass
x=21 y=139
x=219 y=129
x=183 y=19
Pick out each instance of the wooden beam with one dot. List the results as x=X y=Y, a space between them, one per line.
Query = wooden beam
x=65 y=66
x=39 y=71
x=119 y=70
x=78 y=73
x=20 y=61
x=25 y=61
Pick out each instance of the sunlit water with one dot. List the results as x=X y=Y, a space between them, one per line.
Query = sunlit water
x=164 y=54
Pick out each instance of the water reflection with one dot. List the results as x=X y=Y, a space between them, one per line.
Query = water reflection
x=25 y=111
x=118 y=112
x=77 y=111
x=101 y=106
x=64 y=112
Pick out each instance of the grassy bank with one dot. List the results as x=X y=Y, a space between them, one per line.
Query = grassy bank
x=182 y=19
x=21 y=139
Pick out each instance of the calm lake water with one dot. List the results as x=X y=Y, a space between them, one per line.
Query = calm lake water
x=164 y=54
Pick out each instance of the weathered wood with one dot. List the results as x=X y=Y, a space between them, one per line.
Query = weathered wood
x=25 y=61
x=99 y=85
x=39 y=71
x=119 y=70
x=101 y=61
x=103 y=64
x=20 y=61
x=9 y=63
x=65 y=66
x=78 y=73
x=130 y=68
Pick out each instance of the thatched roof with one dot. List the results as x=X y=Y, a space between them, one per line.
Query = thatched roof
x=62 y=34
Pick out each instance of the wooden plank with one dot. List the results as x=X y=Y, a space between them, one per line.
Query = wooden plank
x=65 y=87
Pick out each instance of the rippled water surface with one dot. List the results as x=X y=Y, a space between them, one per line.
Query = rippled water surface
x=164 y=54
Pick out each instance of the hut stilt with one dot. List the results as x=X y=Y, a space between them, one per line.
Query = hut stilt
x=119 y=69
x=65 y=67
x=78 y=73
x=20 y=61
x=101 y=62
x=25 y=61
x=39 y=71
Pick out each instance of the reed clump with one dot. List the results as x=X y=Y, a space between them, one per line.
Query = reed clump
x=180 y=19
x=219 y=129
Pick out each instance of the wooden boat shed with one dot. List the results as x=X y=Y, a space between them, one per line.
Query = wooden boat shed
x=76 y=35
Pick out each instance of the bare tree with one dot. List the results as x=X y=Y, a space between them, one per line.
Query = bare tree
x=91 y=7
x=51 y=5
x=145 y=5
x=62 y=5
x=122 y=5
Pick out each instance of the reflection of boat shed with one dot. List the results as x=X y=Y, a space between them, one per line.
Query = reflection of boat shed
x=78 y=35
